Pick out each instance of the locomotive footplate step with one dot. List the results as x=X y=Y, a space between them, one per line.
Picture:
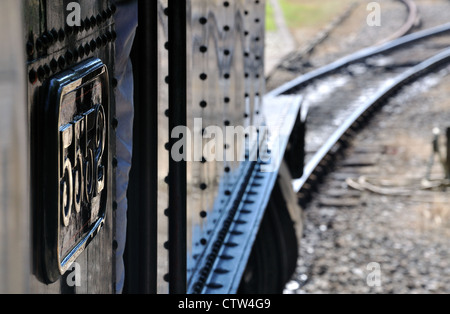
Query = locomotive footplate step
x=227 y=255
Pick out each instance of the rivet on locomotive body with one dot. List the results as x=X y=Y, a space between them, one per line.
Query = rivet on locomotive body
x=78 y=29
x=104 y=15
x=87 y=24
x=109 y=13
x=76 y=55
x=93 y=45
x=47 y=70
x=105 y=39
x=93 y=20
x=39 y=45
x=115 y=123
x=55 y=35
x=115 y=162
x=69 y=57
x=68 y=30
x=109 y=36
x=54 y=65
x=87 y=49
x=81 y=51
x=62 y=62
x=32 y=76
x=99 y=42
x=46 y=39
x=61 y=35
x=30 y=48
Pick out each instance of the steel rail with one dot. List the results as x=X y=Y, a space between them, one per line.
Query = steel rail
x=413 y=16
x=376 y=101
x=356 y=57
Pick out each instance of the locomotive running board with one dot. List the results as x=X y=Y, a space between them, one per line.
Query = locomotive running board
x=225 y=259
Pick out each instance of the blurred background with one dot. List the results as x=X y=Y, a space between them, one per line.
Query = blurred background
x=398 y=224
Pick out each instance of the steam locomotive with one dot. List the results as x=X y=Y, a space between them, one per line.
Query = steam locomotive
x=139 y=153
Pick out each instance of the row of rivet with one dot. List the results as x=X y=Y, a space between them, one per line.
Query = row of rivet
x=70 y=57
x=49 y=38
x=225 y=228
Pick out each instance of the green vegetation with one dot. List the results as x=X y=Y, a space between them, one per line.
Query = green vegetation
x=270 y=19
x=306 y=13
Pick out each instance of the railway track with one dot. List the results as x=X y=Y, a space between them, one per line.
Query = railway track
x=411 y=21
x=343 y=95
x=377 y=206
x=302 y=60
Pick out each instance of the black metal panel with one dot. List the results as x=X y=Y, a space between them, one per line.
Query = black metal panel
x=177 y=81
x=52 y=47
x=141 y=250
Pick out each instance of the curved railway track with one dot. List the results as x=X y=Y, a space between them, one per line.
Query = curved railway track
x=342 y=97
x=413 y=17
x=358 y=56
x=351 y=89
x=321 y=160
x=411 y=21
